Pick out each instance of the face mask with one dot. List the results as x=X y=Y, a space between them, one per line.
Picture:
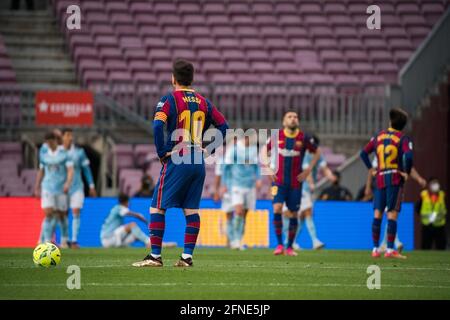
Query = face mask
x=435 y=187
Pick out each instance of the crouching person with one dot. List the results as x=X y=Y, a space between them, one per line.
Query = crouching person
x=115 y=233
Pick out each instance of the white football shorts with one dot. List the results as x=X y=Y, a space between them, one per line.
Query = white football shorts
x=244 y=196
x=76 y=200
x=55 y=201
x=227 y=205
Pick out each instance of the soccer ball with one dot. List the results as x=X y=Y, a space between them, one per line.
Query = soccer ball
x=46 y=255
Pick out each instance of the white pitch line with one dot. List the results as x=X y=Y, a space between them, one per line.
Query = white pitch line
x=361 y=267
x=222 y=284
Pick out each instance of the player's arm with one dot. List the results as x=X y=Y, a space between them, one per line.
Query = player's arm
x=368 y=149
x=218 y=120
x=136 y=215
x=159 y=120
x=368 y=187
x=217 y=183
x=326 y=171
x=312 y=147
x=68 y=183
x=39 y=177
x=418 y=178
x=310 y=182
x=407 y=157
x=86 y=169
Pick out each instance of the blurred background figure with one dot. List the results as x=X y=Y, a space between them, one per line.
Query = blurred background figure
x=433 y=211
x=115 y=233
x=336 y=192
x=147 y=187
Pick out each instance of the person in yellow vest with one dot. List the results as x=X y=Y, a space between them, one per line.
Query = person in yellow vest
x=433 y=212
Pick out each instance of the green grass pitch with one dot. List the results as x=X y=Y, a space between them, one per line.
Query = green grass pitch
x=225 y=274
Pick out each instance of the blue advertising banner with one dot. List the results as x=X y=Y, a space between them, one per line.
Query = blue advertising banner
x=340 y=225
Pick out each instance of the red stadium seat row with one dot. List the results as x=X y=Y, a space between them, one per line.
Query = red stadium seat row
x=135 y=41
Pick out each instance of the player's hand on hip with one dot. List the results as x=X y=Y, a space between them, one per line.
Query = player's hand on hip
x=404 y=175
x=165 y=158
x=302 y=176
x=37 y=192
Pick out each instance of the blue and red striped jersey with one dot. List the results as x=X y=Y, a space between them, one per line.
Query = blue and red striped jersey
x=394 y=155
x=187 y=110
x=291 y=150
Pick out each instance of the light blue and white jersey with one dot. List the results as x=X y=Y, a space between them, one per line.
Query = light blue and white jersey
x=114 y=220
x=315 y=171
x=241 y=166
x=80 y=165
x=54 y=164
x=225 y=180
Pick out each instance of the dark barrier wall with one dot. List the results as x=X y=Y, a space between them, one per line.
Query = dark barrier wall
x=341 y=225
x=431 y=137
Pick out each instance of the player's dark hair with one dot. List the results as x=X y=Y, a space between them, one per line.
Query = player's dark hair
x=64 y=130
x=432 y=178
x=123 y=198
x=183 y=72
x=50 y=136
x=398 y=118
x=289 y=111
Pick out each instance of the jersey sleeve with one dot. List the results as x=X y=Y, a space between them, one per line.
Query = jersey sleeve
x=162 y=113
x=217 y=119
x=162 y=110
x=406 y=146
x=310 y=143
x=124 y=211
x=86 y=169
x=68 y=161
x=368 y=149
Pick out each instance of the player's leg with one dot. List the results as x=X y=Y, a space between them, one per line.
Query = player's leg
x=136 y=233
x=63 y=219
x=394 y=197
x=76 y=204
x=249 y=204
x=293 y=202
x=379 y=203
x=48 y=204
x=229 y=228
x=157 y=227
x=227 y=207
x=307 y=213
x=279 y=196
x=292 y=232
x=192 y=190
x=238 y=225
x=237 y=201
x=398 y=244
x=165 y=191
x=317 y=244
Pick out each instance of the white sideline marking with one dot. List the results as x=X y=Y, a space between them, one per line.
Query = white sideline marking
x=221 y=284
x=265 y=267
